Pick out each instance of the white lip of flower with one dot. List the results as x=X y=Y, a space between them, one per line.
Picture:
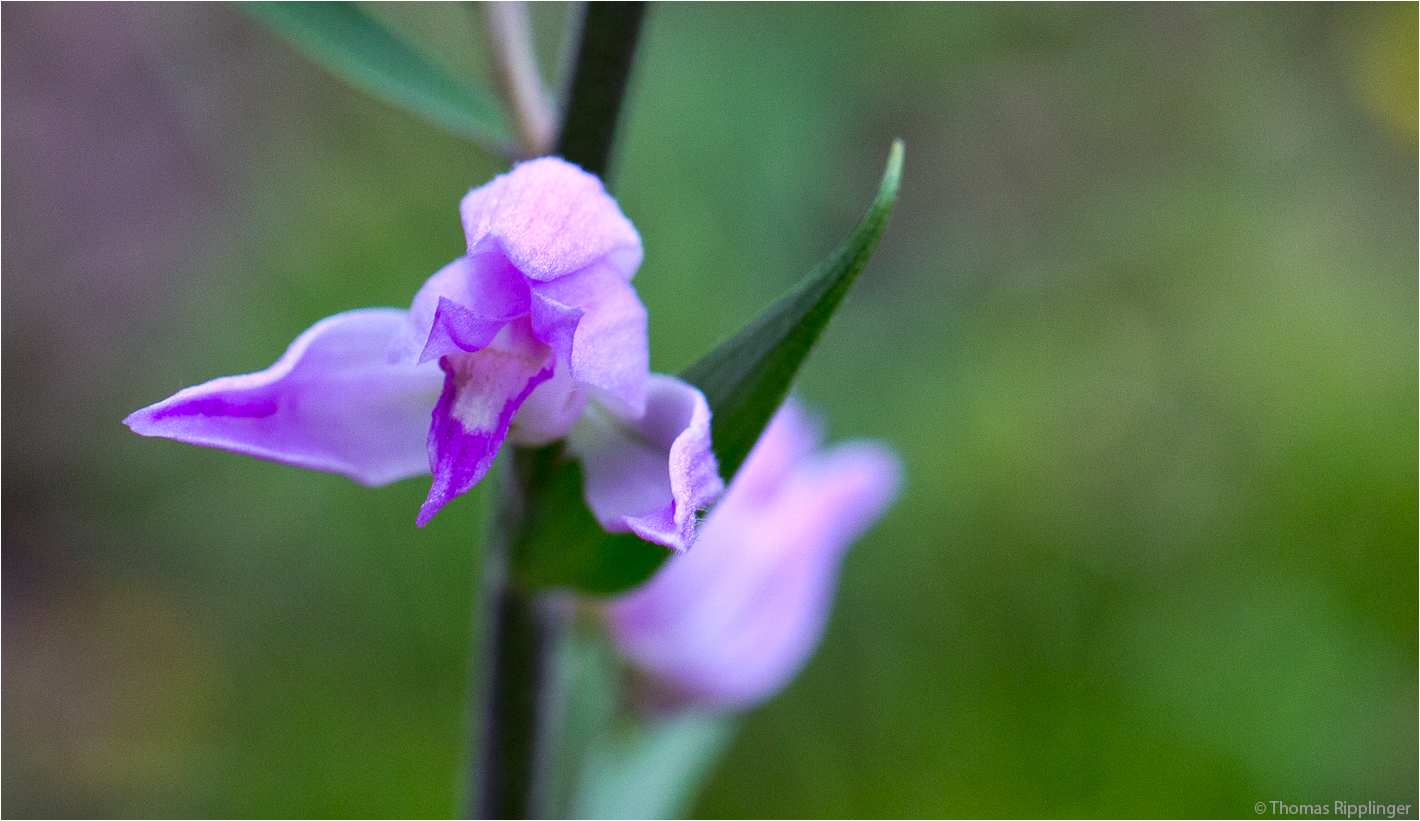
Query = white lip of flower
x=475 y=407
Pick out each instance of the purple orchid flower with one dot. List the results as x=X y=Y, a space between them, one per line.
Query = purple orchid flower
x=537 y=323
x=729 y=623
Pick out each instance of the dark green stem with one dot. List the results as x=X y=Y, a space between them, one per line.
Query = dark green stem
x=604 y=56
x=514 y=747
x=514 y=717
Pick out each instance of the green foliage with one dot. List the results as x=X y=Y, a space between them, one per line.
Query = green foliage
x=746 y=377
x=652 y=768
x=609 y=762
x=360 y=50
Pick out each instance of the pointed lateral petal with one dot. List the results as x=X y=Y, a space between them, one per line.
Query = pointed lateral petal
x=551 y=219
x=608 y=348
x=485 y=285
x=334 y=401
x=650 y=475
x=482 y=392
x=596 y=324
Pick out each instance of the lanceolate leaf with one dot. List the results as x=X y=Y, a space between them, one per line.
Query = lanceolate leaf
x=652 y=767
x=746 y=377
x=363 y=52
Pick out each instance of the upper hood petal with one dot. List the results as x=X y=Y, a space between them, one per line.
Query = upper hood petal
x=551 y=219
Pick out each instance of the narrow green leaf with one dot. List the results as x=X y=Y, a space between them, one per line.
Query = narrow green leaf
x=362 y=51
x=608 y=762
x=582 y=694
x=746 y=377
x=652 y=767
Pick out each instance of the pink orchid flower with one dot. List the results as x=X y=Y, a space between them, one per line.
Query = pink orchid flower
x=536 y=325
x=729 y=623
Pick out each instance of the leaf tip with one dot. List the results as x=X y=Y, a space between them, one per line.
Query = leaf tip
x=892 y=175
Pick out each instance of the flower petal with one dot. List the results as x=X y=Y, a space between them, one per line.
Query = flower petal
x=551 y=219
x=482 y=392
x=456 y=329
x=550 y=410
x=650 y=475
x=334 y=401
x=608 y=348
x=597 y=326
x=555 y=322
x=729 y=623
x=487 y=288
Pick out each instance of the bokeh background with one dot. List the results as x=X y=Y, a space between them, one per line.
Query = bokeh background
x=1144 y=328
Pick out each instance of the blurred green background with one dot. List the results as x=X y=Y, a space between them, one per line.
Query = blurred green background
x=1144 y=328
